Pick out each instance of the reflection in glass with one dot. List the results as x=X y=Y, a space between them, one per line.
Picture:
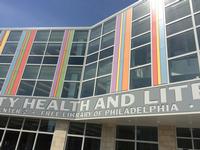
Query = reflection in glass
x=43 y=88
x=73 y=73
x=141 y=10
x=179 y=73
x=107 y=40
x=31 y=72
x=80 y=36
x=47 y=72
x=6 y=59
x=26 y=141
x=56 y=35
x=140 y=40
x=14 y=35
x=42 y=35
x=177 y=10
x=109 y=25
x=78 y=49
x=95 y=32
x=87 y=88
x=140 y=77
x=50 y=60
x=10 y=140
x=103 y=85
x=92 y=58
x=141 y=26
x=93 y=46
x=70 y=90
x=47 y=125
x=90 y=71
x=34 y=60
x=38 y=49
x=9 y=48
x=106 y=53
x=76 y=60
x=4 y=70
x=196 y=5
x=26 y=88
x=105 y=67
x=53 y=49
x=76 y=128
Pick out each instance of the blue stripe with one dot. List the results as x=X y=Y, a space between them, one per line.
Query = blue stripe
x=163 y=55
x=122 y=53
x=11 y=69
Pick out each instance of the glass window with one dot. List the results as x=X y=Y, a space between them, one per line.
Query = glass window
x=141 y=56
x=53 y=49
x=107 y=40
x=15 y=123
x=35 y=60
x=184 y=143
x=169 y=1
x=147 y=133
x=179 y=26
x=31 y=124
x=109 y=25
x=47 y=125
x=1 y=134
x=140 y=40
x=92 y=58
x=14 y=35
x=196 y=5
x=123 y=145
x=91 y=144
x=141 y=10
x=50 y=60
x=183 y=132
x=43 y=141
x=147 y=146
x=42 y=35
x=87 y=88
x=105 y=67
x=26 y=141
x=26 y=88
x=95 y=32
x=80 y=36
x=141 y=26
x=181 y=43
x=93 y=130
x=177 y=10
x=93 y=46
x=140 y=77
x=31 y=72
x=6 y=59
x=56 y=35
x=76 y=128
x=47 y=72
x=3 y=121
x=190 y=70
x=106 y=53
x=90 y=71
x=198 y=33
x=197 y=19
x=196 y=132
x=10 y=48
x=76 y=60
x=73 y=143
x=70 y=90
x=10 y=140
x=103 y=85
x=125 y=132
x=1 y=84
x=73 y=73
x=4 y=70
x=38 y=48
x=42 y=88
x=78 y=49
x=197 y=144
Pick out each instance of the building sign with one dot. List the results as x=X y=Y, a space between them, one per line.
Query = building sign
x=169 y=99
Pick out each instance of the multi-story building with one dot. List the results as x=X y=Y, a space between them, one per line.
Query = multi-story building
x=129 y=82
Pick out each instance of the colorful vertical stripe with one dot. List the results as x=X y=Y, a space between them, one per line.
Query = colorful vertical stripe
x=159 y=61
x=122 y=47
x=59 y=76
x=3 y=38
x=17 y=66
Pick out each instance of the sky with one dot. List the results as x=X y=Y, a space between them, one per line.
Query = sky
x=57 y=13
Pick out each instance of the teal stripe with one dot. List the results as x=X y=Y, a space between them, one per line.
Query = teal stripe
x=122 y=53
x=17 y=53
x=163 y=55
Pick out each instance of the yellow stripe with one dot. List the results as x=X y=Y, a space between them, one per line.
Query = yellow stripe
x=118 y=68
x=4 y=41
x=158 y=44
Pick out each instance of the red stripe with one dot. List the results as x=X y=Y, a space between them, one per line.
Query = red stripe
x=154 y=49
x=23 y=63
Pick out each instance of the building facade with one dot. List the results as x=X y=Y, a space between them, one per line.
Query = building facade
x=129 y=82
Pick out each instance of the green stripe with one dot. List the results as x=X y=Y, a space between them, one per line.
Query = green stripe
x=64 y=66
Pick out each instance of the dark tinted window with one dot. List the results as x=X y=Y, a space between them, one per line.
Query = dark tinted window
x=10 y=48
x=125 y=132
x=107 y=40
x=50 y=60
x=76 y=60
x=80 y=36
x=73 y=73
x=26 y=88
x=14 y=35
x=42 y=35
x=93 y=46
x=87 y=88
x=34 y=60
x=6 y=59
x=95 y=32
x=103 y=85
x=106 y=53
x=70 y=90
x=42 y=88
x=90 y=71
x=56 y=35
x=105 y=67
x=38 y=49
x=140 y=40
x=53 y=49
x=78 y=49
x=141 y=26
x=92 y=58
x=31 y=72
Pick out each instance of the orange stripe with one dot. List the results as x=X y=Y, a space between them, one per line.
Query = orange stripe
x=127 y=48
